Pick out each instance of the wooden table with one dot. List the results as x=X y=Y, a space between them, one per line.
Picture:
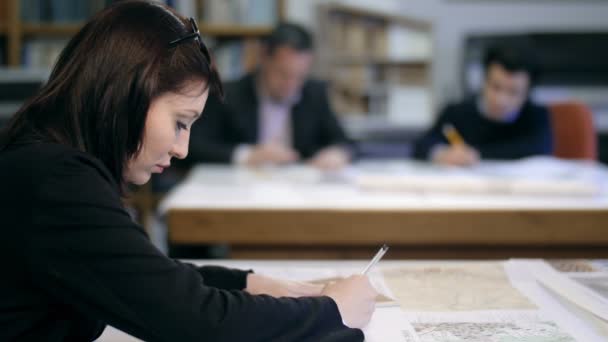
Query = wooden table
x=296 y=214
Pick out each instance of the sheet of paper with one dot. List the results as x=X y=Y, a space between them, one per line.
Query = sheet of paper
x=570 y=289
x=111 y=334
x=386 y=325
x=578 y=322
x=454 y=287
x=572 y=265
x=520 y=331
x=597 y=283
x=595 y=280
x=540 y=318
x=601 y=263
x=530 y=176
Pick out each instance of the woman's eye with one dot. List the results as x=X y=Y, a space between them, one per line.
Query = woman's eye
x=181 y=126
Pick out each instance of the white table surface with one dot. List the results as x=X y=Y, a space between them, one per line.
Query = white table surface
x=382 y=326
x=299 y=187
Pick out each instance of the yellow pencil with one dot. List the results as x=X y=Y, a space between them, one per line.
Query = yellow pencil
x=452 y=135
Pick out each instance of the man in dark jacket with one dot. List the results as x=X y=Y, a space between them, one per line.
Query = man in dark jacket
x=276 y=115
x=502 y=123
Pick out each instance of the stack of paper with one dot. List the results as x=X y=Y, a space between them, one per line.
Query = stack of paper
x=531 y=176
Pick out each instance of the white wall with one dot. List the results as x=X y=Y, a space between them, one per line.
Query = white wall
x=453 y=19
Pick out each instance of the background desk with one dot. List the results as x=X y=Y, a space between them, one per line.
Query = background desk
x=296 y=213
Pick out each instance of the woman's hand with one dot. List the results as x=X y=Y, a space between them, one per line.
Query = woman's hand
x=260 y=284
x=356 y=299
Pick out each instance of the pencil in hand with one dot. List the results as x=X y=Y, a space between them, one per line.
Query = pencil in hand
x=452 y=135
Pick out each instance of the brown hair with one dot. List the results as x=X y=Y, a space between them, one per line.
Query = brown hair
x=97 y=97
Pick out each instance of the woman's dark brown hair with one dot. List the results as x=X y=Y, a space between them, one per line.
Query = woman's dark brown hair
x=97 y=97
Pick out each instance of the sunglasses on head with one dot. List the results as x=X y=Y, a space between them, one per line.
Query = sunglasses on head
x=196 y=35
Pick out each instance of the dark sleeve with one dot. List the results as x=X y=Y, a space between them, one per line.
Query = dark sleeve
x=433 y=137
x=535 y=138
x=210 y=135
x=332 y=131
x=224 y=278
x=87 y=254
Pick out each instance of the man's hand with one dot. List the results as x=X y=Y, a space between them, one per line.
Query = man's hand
x=271 y=154
x=458 y=155
x=330 y=158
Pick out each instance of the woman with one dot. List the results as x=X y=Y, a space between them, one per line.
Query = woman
x=118 y=106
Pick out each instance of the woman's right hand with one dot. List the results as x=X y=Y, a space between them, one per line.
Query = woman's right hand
x=356 y=299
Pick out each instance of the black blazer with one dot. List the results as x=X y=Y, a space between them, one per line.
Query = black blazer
x=73 y=261
x=223 y=126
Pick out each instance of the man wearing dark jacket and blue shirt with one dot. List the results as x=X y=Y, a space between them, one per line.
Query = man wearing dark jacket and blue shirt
x=276 y=115
x=501 y=123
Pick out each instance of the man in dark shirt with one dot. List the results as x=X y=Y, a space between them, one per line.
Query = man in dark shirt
x=276 y=115
x=501 y=123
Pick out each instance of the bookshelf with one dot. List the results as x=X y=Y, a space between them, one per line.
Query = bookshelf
x=234 y=31
x=63 y=29
x=378 y=67
x=18 y=33
x=235 y=35
x=3 y=17
x=49 y=29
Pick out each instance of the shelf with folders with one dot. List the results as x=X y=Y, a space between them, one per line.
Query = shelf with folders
x=379 y=60
x=49 y=29
x=378 y=65
x=228 y=31
x=36 y=30
x=3 y=17
x=239 y=17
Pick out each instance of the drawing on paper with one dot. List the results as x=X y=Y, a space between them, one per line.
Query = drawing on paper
x=488 y=332
x=456 y=287
x=572 y=265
